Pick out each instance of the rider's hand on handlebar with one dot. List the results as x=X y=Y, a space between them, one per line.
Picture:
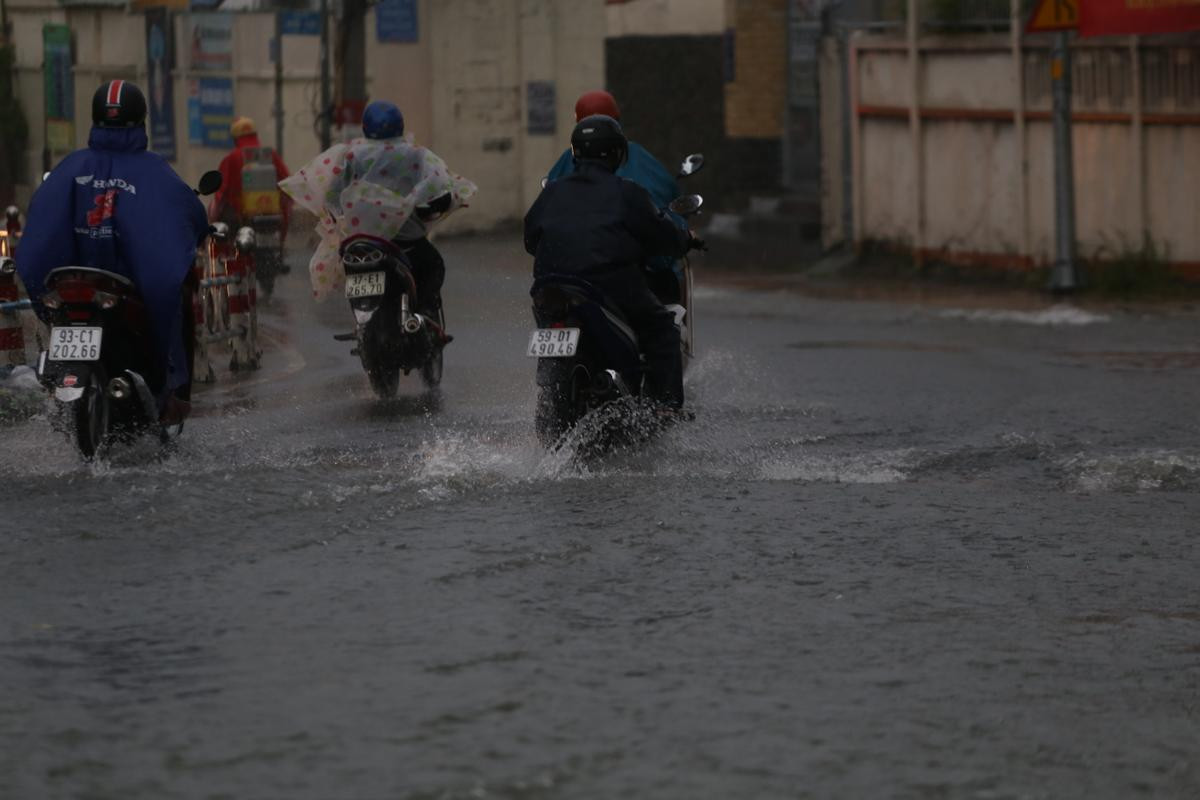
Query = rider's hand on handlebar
x=695 y=242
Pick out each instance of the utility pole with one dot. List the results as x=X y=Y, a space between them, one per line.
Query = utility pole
x=278 y=109
x=324 y=118
x=350 y=62
x=1063 y=277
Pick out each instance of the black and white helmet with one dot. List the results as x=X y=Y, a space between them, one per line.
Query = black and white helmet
x=600 y=138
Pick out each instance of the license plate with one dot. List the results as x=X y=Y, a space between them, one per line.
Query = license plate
x=365 y=284
x=553 y=343
x=264 y=240
x=75 y=344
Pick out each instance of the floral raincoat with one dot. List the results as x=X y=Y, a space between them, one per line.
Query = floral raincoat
x=372 y=187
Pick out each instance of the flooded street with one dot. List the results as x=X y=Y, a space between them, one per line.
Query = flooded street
x=901 y=552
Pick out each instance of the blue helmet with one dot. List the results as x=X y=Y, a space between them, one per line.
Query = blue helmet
x=382 y=120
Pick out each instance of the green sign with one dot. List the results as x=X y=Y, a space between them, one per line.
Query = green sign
x=60 y=84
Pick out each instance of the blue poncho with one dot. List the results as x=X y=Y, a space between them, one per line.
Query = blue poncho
x=117 y=207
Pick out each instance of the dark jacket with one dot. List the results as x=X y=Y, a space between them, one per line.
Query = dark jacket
x=117 y=207
x=591 y=221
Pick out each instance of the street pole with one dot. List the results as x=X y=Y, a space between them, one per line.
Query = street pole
x=1063 y=277
x=324 y=59
x=278 y=110
x=350 y=63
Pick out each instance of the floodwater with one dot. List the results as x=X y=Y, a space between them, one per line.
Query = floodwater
x=901 y=552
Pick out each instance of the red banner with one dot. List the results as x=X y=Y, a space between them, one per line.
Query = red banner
x=1123 y=17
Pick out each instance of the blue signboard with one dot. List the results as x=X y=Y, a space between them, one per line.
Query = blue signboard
x=160 y=58
x=396 y=21
x=300 y=23
x=210 y=112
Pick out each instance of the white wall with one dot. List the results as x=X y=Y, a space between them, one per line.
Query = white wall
x=665 y=17
x=461 y=86
x=986 y=190
x=484 y=53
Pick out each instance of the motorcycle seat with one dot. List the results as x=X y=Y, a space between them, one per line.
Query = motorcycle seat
x=93 y=272
x=581 y=292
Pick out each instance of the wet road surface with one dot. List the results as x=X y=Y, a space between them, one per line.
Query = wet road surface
x=902 y=552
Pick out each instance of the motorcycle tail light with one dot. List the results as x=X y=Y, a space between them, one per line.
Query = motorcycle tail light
x=106 y=300
x=76 y=292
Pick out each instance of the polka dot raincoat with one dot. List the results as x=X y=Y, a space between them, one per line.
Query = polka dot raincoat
x=368 y=186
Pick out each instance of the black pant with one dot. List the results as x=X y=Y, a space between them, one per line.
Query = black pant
x=429 y=271
x=654 y=325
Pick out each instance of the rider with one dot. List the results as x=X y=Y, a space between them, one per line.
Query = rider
x=641 y=166
x=117 y=207
x=600 y=227
x=646 y=171
x=382 y=186
x=236 y=201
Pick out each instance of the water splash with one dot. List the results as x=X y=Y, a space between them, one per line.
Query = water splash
x=1145 y=471
x=1059 y=315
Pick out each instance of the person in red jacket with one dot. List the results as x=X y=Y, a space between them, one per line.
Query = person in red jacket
x=250 y=195
x=236 y=202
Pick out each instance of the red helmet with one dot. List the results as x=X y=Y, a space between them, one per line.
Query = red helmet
x=596 y=102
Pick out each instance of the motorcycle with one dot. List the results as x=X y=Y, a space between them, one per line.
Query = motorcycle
x=390 y=337
x=99 y=360
x=269 y=262
x=588 y=355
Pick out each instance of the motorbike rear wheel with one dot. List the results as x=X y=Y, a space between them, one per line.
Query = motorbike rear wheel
x=267 y=267
x=383 y=377
x=561 y=402
x=384 y=381
x=92 y=416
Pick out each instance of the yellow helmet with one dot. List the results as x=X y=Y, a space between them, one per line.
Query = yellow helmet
x=242 y=126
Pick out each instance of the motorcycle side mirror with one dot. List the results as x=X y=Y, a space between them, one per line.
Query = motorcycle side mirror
x=45 y=176
x=7 y=266
x=687 y=204
x=691 y=164
x=210 y=182
x=544 y=182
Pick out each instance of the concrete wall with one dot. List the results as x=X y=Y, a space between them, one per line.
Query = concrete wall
x=665 y=17
x=462 y=86
x=978 y=184
x=484 y=55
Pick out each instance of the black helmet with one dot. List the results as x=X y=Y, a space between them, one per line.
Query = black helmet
x=119 y=104
x=600 y=137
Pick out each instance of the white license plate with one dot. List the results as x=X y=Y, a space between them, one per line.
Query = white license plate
x=75 y=344
x=553 y=343
x=365 y=284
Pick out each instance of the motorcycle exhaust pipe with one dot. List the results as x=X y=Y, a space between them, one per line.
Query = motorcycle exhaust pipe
x=413 y=323
x=410 y=323
x=119 y=389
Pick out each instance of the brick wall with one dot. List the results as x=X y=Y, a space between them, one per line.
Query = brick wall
x=754 y=100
